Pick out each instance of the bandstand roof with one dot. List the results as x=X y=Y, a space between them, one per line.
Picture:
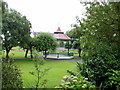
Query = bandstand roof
x=61 y=36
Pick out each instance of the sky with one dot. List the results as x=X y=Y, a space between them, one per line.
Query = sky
x=48 y=15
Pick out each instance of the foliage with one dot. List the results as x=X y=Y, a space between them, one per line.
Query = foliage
x=0 y=22
x=28 y=45
x=114 y=78
x=81 y=69
x=76 y=45
x=39 y=62
x=15 y=29
x=4 y=6
x=61 y=44
x=72 y=33
x=1 y=74
x=76 y=32
x=45 y=42
x=11 y=75
x=68 y=45
x=75 y=82
x=100 y=42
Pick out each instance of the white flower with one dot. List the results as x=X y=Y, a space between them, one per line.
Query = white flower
x=57 y=87
x=62 y=83
x=86 y=78
x=65 y=77
x=83 y=86
x=74 y=80
x=75 y=77
x=67 y=83
x=71 y=76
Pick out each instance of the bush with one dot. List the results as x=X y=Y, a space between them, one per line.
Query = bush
x=39 y=72
x=75 y=82
x=114 y=78
x=11 y=75
x=102 y=68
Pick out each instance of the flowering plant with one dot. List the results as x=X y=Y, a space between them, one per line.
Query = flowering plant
x=75 y=82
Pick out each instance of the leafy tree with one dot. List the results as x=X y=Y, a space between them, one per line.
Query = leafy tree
x=4 y=6
x=100 y=42
x=28 y=45
x=76 y=45
x=45 y=42
x=61 y=44
x=74 y=33
x=68 y=45
x=15 y=28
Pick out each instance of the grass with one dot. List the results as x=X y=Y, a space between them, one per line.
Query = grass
x=15 y=53
x=74 y=52
x=58 y=69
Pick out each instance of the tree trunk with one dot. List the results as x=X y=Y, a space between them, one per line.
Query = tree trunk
x=45 y=54
x=7 y=52
x=79 y=51
x=31 y=53
x=68 y=48
x=26 y=53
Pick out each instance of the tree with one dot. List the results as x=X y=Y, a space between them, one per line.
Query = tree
x=74 y=33
x=15 y=29
x=28 y=45
x=100 y=43
x=45 y=42
x=76 y=45
x=68 y=45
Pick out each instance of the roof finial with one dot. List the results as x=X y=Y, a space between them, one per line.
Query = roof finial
x=58 y=30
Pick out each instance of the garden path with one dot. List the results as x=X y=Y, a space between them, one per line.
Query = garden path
x=76 y=59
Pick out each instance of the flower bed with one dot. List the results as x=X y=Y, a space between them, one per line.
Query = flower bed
x=75 y=82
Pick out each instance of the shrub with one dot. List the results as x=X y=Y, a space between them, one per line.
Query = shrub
x=11 y=75
x=114 y=78
x=75 y=82
x=39 y=72
x=102 y=68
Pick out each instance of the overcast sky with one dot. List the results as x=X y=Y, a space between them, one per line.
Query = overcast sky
x=48 y=15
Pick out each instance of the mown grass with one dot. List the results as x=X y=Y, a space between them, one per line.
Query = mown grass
x=54 y=76
x=15 y=53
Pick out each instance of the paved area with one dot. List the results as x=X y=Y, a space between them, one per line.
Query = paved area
x=75 y=59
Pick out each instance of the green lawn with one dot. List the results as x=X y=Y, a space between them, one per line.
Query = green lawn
x=54 y=75
x=74 y=52
x=15 y=53
x=57 y=69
